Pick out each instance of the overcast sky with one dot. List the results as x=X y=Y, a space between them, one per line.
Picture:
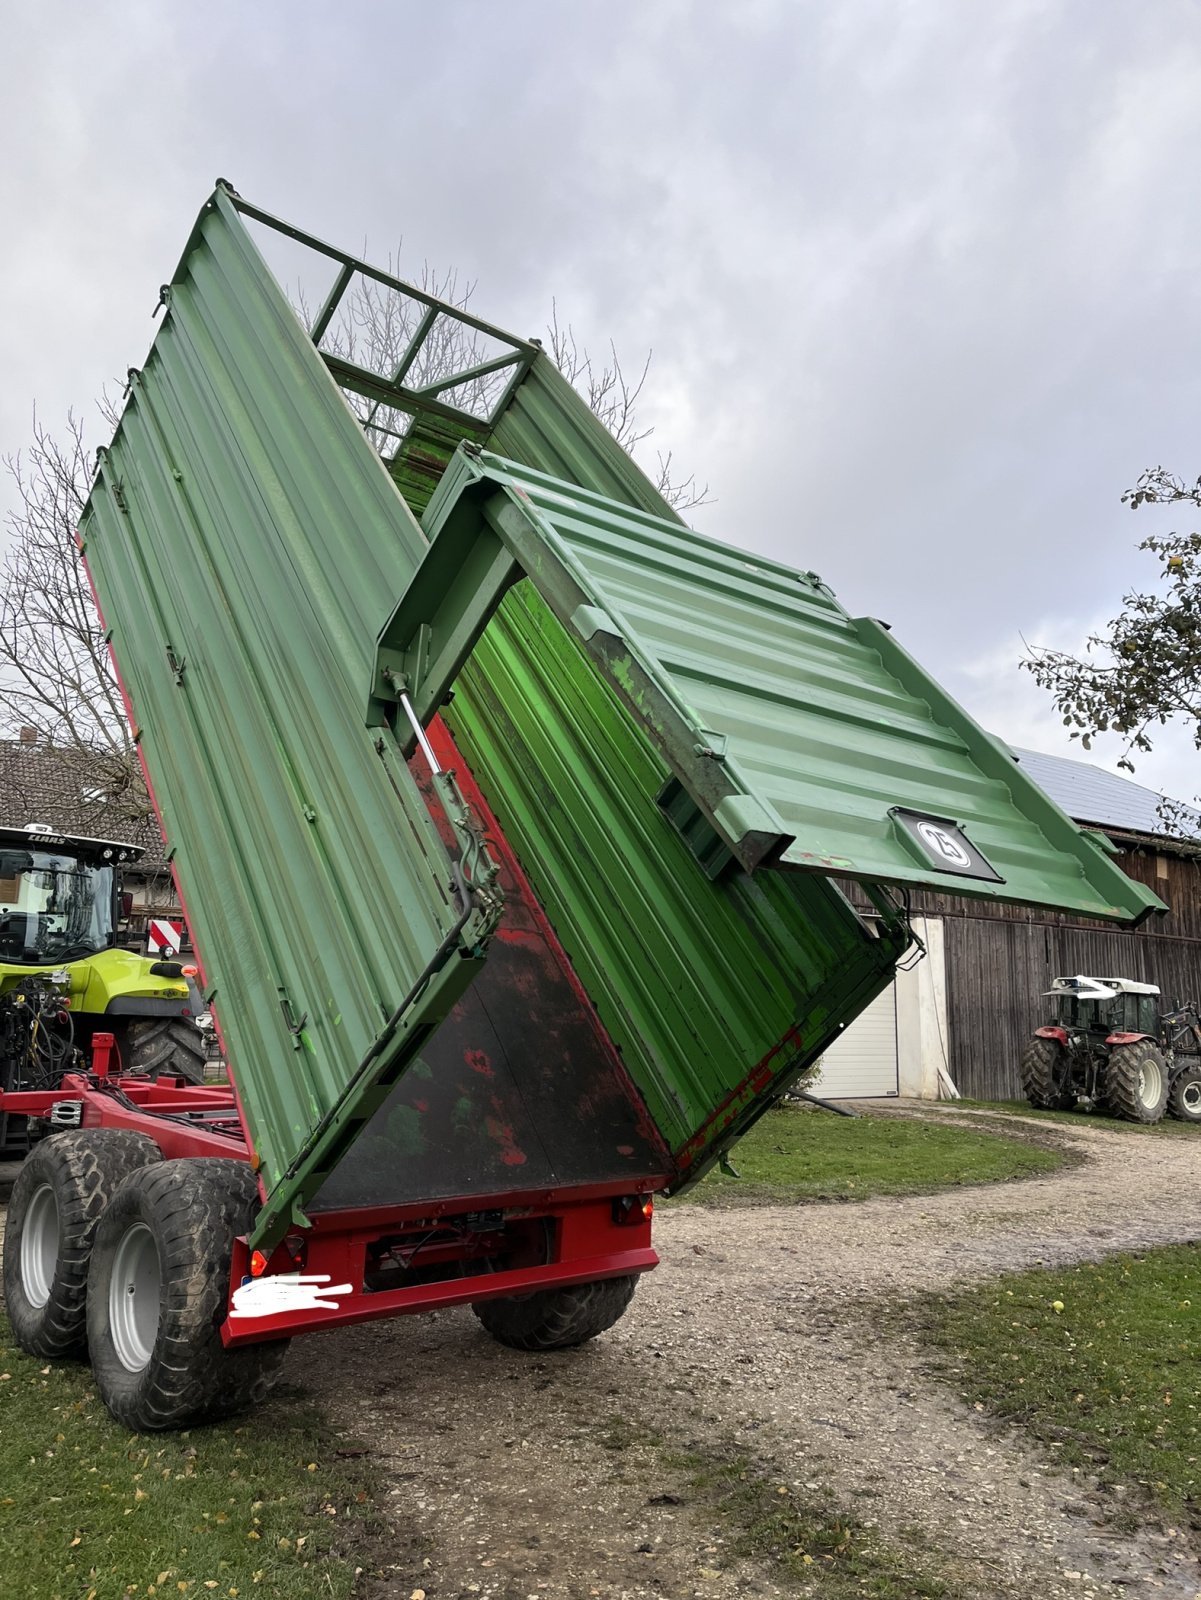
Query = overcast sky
x=921 y=278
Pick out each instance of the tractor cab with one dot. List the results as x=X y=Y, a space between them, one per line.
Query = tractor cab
x=64 y=978
x=1106 y=1005
x=59 y=895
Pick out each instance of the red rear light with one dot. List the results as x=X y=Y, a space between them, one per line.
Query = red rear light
x=258 y=1263
x=632 y=1210
x=189 y=972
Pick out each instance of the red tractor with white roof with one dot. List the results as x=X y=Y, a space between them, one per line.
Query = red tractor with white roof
x=1111 y=1045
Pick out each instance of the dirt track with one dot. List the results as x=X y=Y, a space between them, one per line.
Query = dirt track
x=510 y=1476
x=503 y=1475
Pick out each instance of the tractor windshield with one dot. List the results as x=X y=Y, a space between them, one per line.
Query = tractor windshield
x=1084 y=1014
x=1129 y=1013
x=53 y=906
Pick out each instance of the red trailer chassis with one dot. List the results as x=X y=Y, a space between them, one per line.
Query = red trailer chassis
x=466 y=1249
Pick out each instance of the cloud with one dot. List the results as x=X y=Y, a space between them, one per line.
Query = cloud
x=920 y=280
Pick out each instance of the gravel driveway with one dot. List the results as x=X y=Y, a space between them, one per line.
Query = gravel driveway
x=753 y=1332
x=510 y=1476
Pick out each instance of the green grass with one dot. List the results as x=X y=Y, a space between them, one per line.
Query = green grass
x=262 y=1507
x=792 y=1530
x=795 y=1154
x=1113 y=1381
x=1080 y=1119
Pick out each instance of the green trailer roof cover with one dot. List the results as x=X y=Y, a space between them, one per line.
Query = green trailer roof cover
x=799 y=737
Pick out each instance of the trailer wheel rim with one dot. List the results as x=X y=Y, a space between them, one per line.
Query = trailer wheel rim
x=133 y=1298
x=39 y=1246
x=1150 y=1084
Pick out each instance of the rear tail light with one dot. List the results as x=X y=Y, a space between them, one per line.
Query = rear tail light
x=633 y=1209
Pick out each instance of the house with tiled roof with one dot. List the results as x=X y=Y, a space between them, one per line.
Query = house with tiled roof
x=90 y=795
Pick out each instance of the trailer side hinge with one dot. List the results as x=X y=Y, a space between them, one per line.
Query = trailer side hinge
x=295 y=1027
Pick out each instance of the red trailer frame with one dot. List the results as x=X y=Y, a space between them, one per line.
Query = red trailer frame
x=587 y=1232
x=593 y=1232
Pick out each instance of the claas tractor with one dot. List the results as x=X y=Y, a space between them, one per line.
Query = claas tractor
x=63 y=977
x=1111 y=1045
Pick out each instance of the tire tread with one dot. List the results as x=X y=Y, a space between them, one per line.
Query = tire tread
x=556 y=1319
x=85 y=1167
x=162 y=1046
x=1122 y=1071
x=1038 y=1075
x=195 y=1208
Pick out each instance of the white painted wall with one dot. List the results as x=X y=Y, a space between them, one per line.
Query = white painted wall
x=898 y=1044
x=922 y=1036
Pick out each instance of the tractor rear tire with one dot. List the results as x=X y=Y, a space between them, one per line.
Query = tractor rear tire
x=556 y=1319
x=1042 y=1071
x=55 y=1208
x=151 y=1047
x=1136 y=1082
x=1184 y=1097
x=157 y=1294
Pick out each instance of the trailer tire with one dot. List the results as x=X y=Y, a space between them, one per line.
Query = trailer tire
x=157 y=1293
x=1136 y=1082
x=1184 y=1097
x=56 y=1205
x=1041 y=1072
x=556 y=1319
x=152 y=1047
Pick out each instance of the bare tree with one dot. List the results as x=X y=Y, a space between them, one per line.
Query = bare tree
x=613 y=398
x=375 y=326
x=54 y=662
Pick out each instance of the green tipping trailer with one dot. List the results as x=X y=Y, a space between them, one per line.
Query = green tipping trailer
x=507 y=813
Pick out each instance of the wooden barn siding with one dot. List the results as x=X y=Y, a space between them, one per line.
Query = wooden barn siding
x=997 y=971
x=1000 y=958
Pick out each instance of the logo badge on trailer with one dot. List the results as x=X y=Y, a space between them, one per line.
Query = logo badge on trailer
x=940 y=843
x=943 y=844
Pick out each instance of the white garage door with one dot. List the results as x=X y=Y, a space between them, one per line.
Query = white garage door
x=863 y=1060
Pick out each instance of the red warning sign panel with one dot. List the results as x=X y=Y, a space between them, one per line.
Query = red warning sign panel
x=164 y=936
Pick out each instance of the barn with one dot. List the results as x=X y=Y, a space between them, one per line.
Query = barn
x=962 y=1012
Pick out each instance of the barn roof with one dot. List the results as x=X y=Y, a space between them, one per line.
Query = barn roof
x=1091 y=795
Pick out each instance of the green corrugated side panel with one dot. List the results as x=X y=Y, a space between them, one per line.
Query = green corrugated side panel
x=424 y=455
x=241 y=518
x=821 y=725
x=547 y=426
x=697 y=982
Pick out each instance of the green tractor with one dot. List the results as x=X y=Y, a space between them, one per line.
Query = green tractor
x=1110 y=1045
x=63 y=977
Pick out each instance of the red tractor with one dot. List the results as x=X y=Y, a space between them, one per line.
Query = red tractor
x=1111 y=1045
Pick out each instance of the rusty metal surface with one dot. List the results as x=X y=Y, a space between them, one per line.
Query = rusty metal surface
x=520 y=1087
